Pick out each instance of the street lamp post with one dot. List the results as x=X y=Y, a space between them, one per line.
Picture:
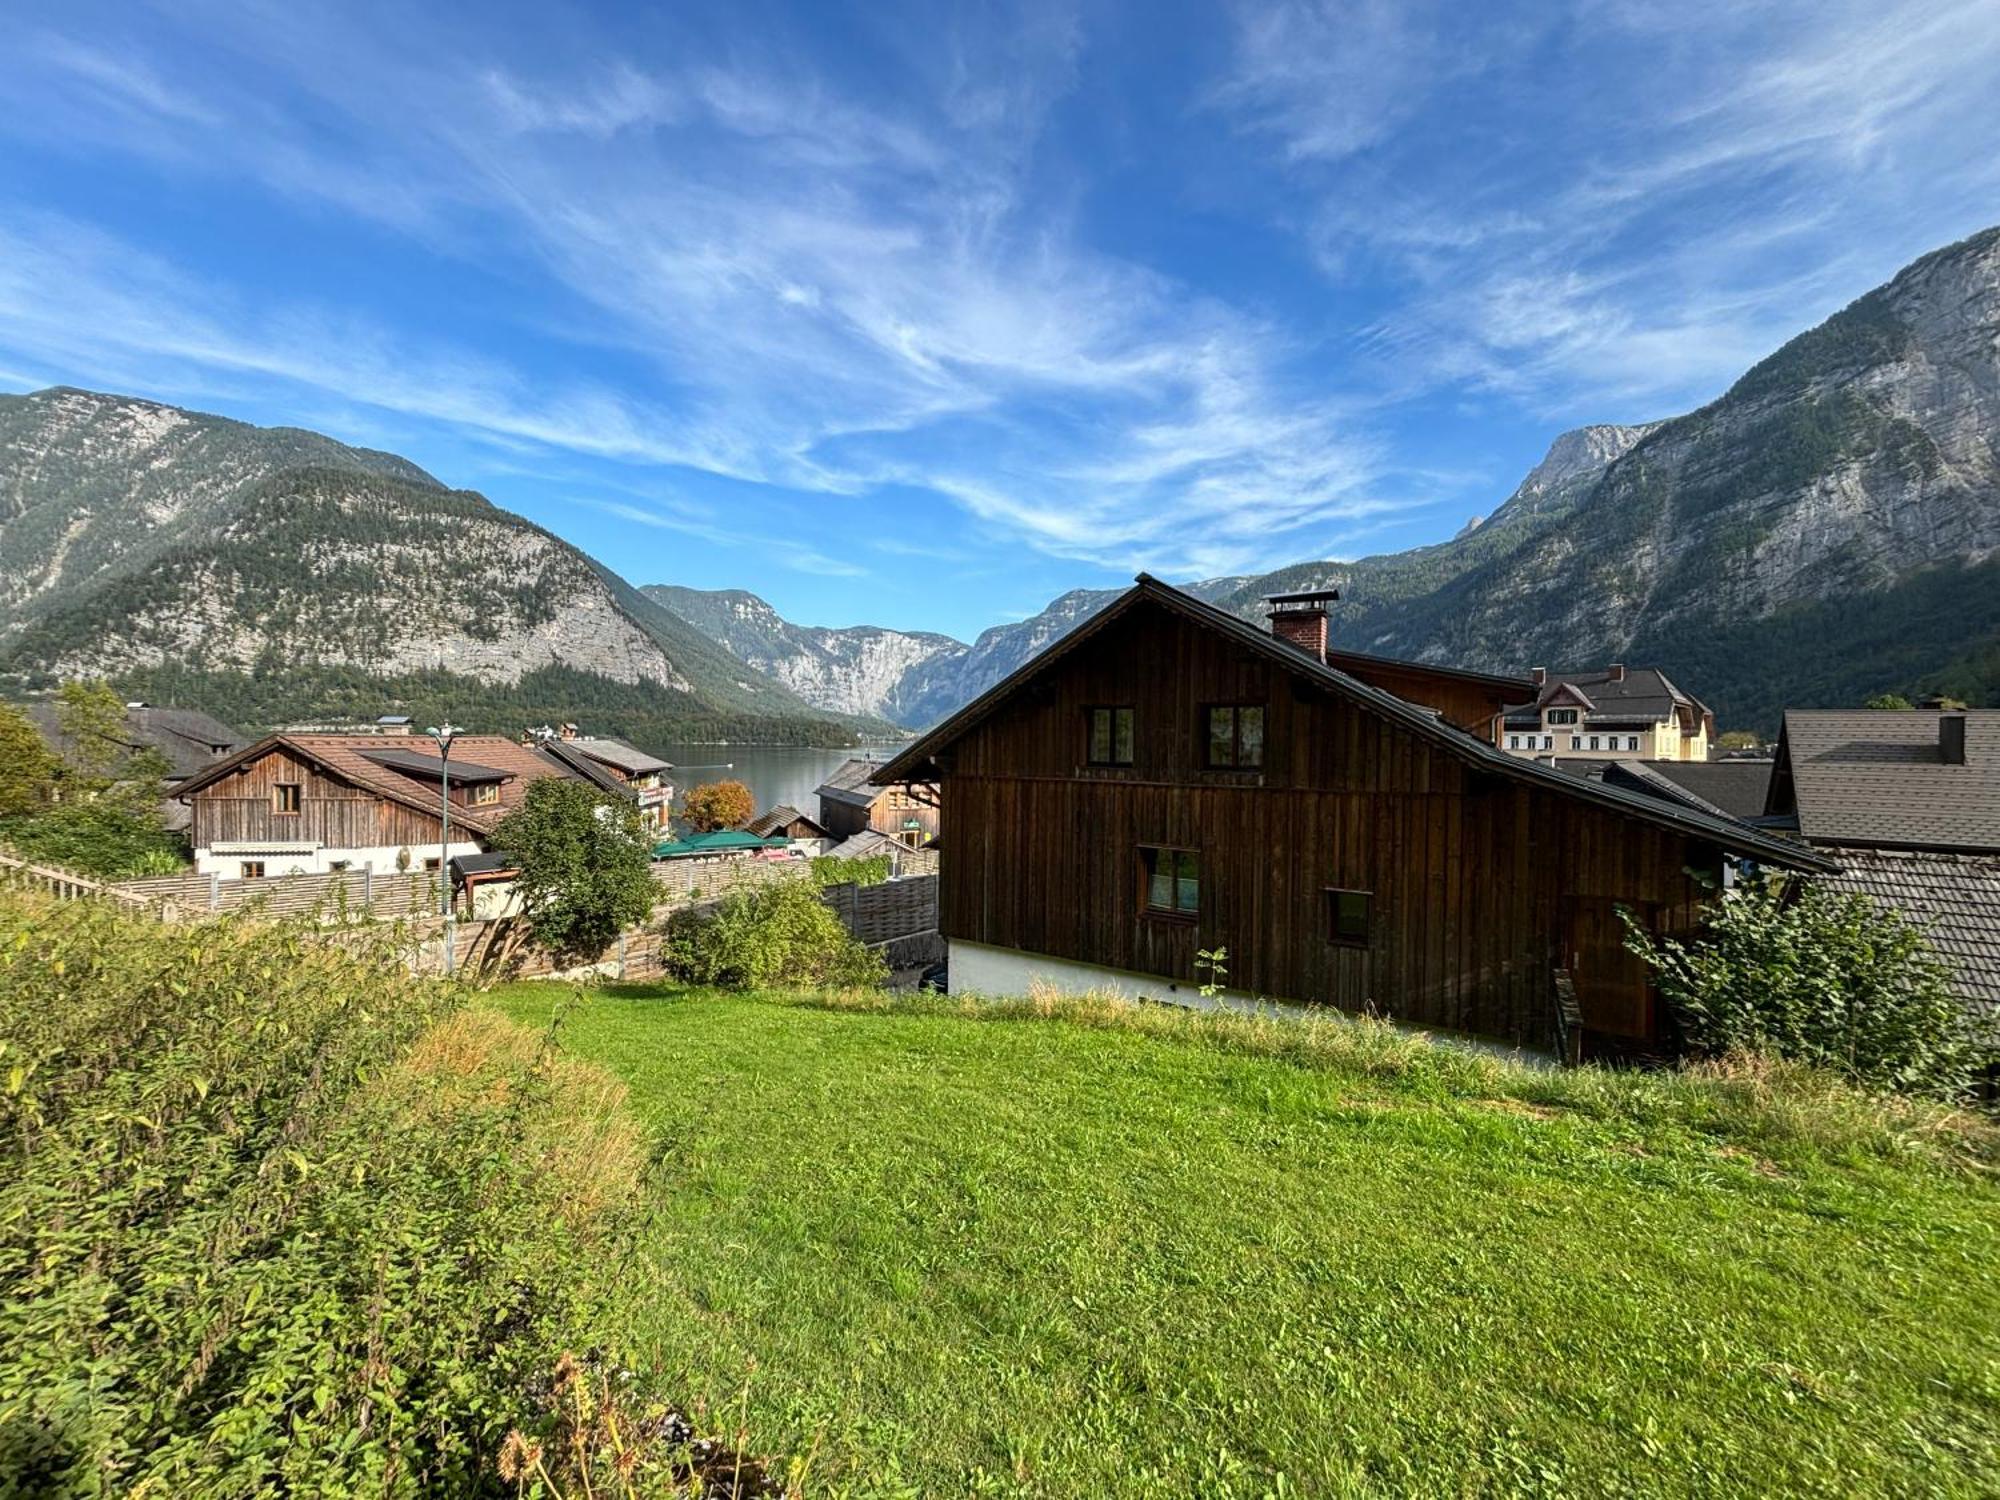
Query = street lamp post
x=444 y=734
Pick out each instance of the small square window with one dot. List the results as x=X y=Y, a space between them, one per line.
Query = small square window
x=486 y=794
x=1347 y=916
x=252 y=869
x=1110 y=736
x=287 y=798
x=1236 y=736
x=1172 y=881
x=1632 y=742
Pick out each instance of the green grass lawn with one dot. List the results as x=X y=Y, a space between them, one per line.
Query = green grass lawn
x=1046 y=1258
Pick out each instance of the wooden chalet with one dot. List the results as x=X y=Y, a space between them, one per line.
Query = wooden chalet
x=850 y=803
x=1169 y=778
x=613 y=766
x=308 y=803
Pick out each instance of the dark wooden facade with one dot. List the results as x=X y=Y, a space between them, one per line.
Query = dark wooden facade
x=242 y=807
x=1481 y=884
x=1468 y=701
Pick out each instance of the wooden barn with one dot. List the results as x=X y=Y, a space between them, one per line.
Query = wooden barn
x=1169 y=778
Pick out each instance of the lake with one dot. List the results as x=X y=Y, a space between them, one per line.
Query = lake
x=774 y=773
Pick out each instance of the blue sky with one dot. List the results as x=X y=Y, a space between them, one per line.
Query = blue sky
x=921 y=315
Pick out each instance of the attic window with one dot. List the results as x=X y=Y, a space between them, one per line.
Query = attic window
x=485 y=794
x=1562 y=716
x=286 y=799
x=1110 y=736
x=1236 y=736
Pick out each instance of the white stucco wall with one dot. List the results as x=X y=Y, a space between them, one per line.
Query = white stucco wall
x=1007 y=973
x=283 y=858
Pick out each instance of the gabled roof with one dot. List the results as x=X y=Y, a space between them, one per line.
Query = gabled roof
x=1877 y=778
x=567 y=758
x=358 y=759
x=779 y=818
x=1349 y=661
x=1954 y=898
x=616 y=753
x=850 y=783
x=916 y=762
x=188 y=738
x=867 y=844
x=1727 y=788
x=432 y=767
x=1642 y=695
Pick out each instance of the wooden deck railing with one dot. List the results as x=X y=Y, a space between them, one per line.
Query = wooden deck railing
x=64 y=885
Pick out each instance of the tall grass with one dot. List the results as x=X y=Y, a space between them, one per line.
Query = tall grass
x=1779 y=1106
x=276 y=1216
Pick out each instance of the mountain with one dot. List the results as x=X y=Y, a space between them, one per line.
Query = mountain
x=274 y=574
x=860 y=669
x=1827 y=529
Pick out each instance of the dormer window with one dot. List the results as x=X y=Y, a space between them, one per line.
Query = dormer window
x=1562 y=716
x=485 y=794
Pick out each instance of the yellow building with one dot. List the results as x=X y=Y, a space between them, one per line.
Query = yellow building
x=1633 y=713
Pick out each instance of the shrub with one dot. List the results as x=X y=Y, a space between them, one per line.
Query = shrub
x=276 y=1217
x=776 y=934
x=98 y=838
x=828 y=870
x=1830 y=979
x=586 y=872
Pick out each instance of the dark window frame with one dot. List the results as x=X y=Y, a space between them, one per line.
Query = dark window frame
x=1337 y=927
x=1236 y=712
x=1564 y=716
x=1149 y=855
x=250 y=869
x=1111 y=711
x=297 y=799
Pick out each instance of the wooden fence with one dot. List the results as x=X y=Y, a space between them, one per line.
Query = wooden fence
x=358 y=892
x=879 y=913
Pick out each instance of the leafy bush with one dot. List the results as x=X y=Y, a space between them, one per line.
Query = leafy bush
x=776 y=934
x=586 y=874
x=1826 y=978
x=98 y=838
x=829 y=870
x=276 y=1217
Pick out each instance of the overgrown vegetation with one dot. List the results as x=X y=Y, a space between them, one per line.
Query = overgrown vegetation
x=586 y=872
x=1088 y=1247
x=275 y=1218
x=96 y=807
x=769 y=935
x=831 y=870
x=1800 y=972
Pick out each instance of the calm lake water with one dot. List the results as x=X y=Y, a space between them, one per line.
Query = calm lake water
x=774 y=773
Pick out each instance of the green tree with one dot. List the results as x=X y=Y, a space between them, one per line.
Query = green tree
x=1824 y=977
x=1738 y=739
x=27 y=765
x=1889 y=702
x=719 y=804
x=585 y=871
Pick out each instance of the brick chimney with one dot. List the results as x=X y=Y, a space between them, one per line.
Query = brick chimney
x=1951 y=738
x=1541 y=676
x=1300 y=619
x=1617 y=672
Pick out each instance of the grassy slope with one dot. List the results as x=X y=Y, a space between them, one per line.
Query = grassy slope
x=1050 y=1259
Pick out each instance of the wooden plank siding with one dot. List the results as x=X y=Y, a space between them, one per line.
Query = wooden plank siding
x=1470 y=873
x=241 y=808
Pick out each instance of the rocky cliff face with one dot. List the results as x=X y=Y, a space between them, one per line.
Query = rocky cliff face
x=141 y=538
x=861 y=669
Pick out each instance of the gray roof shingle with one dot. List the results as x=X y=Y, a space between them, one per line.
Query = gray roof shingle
x=1877 y=778
x=1954 y=898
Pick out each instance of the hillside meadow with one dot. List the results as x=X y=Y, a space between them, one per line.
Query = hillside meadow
x=1083 y=1248
x=276 y=1217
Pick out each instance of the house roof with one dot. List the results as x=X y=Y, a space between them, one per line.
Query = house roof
x=491 y=862
x=1506 y=683
x=616 y=753
x=1877 y=778
x=867 y=844
x=187 y=737
x=432 y=767
x=1955 y=898
x=564 y=755
x=1727 y=788
x=783 y=816
x=1644 y=695
x=360 y=759
x=916 y=761
x=850 y=783
x=721 y=841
